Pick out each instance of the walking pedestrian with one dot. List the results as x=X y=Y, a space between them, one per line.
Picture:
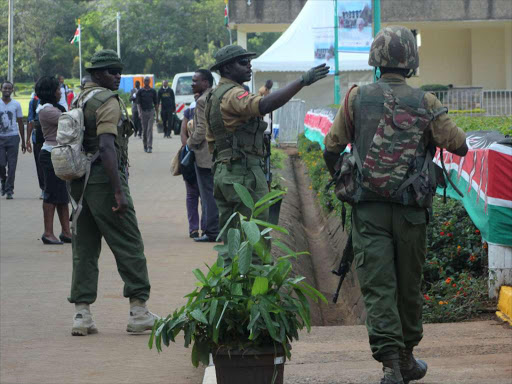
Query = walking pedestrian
x=108 y=209
x=64 y=89
x=11 y=130
x=167 y=107
x=394 y=130
x=235 y=128
x=202 y=82
x=55 y=196
x=147 y=104
x=135 y=111
x=35 y=138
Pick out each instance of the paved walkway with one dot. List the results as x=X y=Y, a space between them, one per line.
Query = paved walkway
x=36 y=345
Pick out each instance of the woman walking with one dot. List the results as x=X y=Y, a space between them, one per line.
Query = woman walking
x=55 y=195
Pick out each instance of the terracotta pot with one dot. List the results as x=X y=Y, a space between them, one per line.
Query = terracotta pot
x=250 y=366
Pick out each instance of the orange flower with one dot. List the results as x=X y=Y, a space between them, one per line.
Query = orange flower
x=459 y=247
x=472 y=258
x=448 y=280
x=485 y=246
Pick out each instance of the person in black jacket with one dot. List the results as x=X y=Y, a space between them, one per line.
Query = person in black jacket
x=167 y=107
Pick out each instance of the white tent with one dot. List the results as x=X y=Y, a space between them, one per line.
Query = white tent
x=293 y=53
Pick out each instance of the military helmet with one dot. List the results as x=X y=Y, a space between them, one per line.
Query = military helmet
x=229 y=53
x=394 y=47
x=106 y=58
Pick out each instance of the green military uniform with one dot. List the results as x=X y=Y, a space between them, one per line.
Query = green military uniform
x=235 y=137
x=97 y=220
x=389 y=231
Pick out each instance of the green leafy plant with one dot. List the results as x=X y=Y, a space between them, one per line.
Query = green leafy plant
x=246 y=299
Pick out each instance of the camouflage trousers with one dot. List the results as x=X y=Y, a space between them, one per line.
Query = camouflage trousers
x=389 y=252
x=248 y=173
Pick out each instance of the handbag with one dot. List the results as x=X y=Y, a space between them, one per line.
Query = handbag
x=188 y=160
x=175 y=164
x=187 y=165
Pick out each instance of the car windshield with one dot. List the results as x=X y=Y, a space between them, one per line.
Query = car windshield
x=184 y=86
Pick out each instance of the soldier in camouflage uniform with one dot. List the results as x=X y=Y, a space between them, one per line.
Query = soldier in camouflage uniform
x=388 y=177
x=235 y=128
x=108 y=209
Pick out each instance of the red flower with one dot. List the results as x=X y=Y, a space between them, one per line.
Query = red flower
x=448 y=280
x=442 y=233
x=454 y=285
x=477 y=231
x=450 y=235
x=426 y=297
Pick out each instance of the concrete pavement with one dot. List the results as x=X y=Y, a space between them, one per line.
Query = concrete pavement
x=36 y=345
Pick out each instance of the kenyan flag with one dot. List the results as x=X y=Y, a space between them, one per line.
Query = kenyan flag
x=76 y=37
x=226 y=14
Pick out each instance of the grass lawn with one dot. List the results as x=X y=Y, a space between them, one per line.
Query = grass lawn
x=24 y=100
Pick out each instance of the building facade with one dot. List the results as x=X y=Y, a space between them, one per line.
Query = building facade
x=466 y=43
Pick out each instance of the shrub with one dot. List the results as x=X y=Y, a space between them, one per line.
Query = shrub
x=502 y=124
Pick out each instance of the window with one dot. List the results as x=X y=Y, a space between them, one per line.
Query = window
x=184 y=86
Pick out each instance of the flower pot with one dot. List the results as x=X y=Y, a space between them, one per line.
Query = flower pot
x=273 y=213
x=250 y=366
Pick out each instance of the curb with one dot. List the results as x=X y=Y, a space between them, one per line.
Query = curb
x=209 y=373
x=505 y=304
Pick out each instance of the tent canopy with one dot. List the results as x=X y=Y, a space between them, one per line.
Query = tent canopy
x=294 y=50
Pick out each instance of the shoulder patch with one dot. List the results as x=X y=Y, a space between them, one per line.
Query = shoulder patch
x=246 y=93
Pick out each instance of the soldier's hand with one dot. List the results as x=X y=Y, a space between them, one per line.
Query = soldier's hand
x=122 y=204
x=315 y=74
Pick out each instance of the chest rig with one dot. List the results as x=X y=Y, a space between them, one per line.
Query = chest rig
x=245 y=140
x=124 y=126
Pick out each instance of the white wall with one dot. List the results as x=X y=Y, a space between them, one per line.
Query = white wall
x=488 y=57
x=445 y=57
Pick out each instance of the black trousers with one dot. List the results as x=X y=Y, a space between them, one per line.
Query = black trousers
x=167 y=120
x=36 y=148
x=136 y=122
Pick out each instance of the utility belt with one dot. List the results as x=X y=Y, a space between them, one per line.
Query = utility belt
x=245 y=160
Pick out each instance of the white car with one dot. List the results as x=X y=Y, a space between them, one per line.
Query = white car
x=182 y=87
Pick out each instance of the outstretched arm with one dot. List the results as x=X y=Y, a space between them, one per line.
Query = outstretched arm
x=280 y=97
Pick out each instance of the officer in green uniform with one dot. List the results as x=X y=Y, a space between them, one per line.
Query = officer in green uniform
x=235 y=128
x=393 y=129
x=107 y=205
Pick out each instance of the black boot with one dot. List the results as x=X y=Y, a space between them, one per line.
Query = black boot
x=411 y=368
x=392 y=375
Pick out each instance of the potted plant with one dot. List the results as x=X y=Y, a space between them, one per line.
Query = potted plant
x=247 y=308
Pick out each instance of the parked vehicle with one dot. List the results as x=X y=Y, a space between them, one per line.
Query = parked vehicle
x=182 y=87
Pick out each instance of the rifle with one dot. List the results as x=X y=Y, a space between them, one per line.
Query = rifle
x=346 y=262
x=267 y=144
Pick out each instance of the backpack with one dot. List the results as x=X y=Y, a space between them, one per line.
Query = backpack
x=69 y=160
x=394 y=161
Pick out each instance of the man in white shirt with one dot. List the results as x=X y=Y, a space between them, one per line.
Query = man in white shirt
x=64 y=93
x=10 y=114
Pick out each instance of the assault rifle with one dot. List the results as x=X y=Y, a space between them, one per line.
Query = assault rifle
x=267 y=144
x=346 y=262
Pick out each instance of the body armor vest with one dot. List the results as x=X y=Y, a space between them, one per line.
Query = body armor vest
x=246 y=140
x=394 y=162
x=124 y=127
